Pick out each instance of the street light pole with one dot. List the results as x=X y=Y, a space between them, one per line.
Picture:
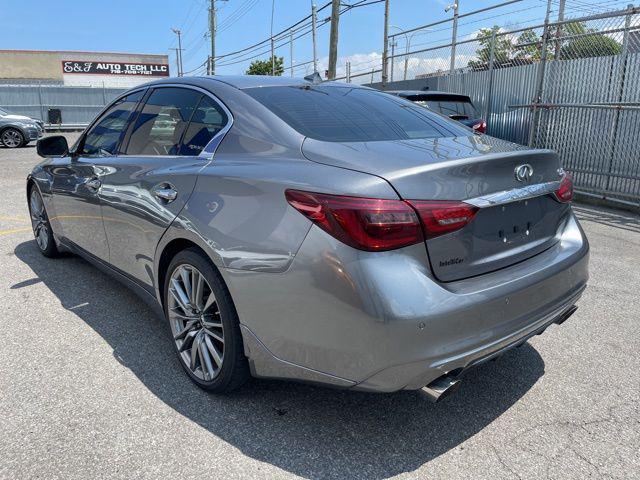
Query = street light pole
x=178 y=32
x=291 y=51
x=313 y=35
x=385 y=52
x=454 y=33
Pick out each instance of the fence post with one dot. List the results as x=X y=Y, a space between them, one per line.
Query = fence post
x=540 y=78
x=620 y=93
x=492 y=57
x=40 y=99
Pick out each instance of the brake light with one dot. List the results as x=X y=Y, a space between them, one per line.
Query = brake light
x=369 y=224
x=441 y=217
x=564 y=193
x=480 y=127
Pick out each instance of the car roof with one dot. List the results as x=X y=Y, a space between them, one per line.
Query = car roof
x=249 y=81
x=427 y=93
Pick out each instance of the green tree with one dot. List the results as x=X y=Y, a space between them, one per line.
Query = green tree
x=263 y=67
x=502 y=52
x=586 y=46
x=530 y=51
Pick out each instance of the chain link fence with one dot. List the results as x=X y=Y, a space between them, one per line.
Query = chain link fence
x=571 y=85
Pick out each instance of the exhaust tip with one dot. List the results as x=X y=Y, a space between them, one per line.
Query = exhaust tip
x=441 y=387
x=562 y=318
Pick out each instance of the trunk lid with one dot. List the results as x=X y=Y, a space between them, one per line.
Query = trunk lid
x=517 y=219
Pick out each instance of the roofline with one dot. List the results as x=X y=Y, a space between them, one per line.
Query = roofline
x=86 y=52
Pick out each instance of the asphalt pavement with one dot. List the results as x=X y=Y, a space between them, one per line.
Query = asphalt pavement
x=90 y=386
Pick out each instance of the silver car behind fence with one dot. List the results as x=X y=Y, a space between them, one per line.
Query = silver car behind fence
x=326 y=233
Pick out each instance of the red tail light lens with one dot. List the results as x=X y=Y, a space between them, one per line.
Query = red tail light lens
x=480 y=127
x=364 y=223
x=441 y=217
x=564 y=193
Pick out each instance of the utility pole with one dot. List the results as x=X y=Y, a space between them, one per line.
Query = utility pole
x=333 y=38
x=211 y=66
x=177 y=50
x=385 y=52
x=178 y=32
x=291 y=51
x=273 y=53
x=212 y=33
x=454 y=34
x=559 y=29
x=313 y=35
x=348 y=71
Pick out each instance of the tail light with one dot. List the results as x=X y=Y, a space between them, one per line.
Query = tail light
x=564 y=193
x=364 y=223
x=441 y=217
x=480 y=127
x=374 y=224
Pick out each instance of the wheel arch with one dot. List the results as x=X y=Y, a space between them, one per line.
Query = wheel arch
x=166 y=251
x=25 y=137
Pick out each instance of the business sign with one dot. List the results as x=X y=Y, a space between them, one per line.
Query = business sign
x=115 y=68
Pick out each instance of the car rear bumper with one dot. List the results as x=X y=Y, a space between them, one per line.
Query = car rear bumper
x=381 y=322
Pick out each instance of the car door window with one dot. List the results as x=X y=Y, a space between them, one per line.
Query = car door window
x=207 y=121
x=105 y=135
x=163 y=120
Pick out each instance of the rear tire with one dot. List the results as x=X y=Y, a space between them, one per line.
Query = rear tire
x=12 y=138
x=204 y=323
x=41 y=227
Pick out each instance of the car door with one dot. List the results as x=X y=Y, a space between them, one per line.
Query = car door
x=76 y=179
x=148 y=184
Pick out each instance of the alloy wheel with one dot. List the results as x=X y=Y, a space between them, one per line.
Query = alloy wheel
x=195 y=321
x=39 y=220
x=12 y=138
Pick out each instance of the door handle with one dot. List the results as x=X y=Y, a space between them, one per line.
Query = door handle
x=166 y=193
x=94 y=184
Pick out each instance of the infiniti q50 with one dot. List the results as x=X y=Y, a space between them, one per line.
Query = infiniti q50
x=322 y=232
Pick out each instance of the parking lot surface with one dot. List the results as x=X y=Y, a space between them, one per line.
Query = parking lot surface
x=90 y=386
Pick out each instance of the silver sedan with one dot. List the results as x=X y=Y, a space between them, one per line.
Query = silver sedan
x=321 y=232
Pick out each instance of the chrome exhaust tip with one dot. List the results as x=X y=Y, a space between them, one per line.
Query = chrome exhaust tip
x=441 y=387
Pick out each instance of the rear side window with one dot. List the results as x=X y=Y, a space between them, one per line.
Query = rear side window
x=104 y=137
x=163 y=121
x=346 y=114
x=207 y=121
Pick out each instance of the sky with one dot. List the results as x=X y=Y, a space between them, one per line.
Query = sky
x=144 y=26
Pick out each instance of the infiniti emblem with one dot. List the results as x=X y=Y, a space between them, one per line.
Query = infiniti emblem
x=523 y=172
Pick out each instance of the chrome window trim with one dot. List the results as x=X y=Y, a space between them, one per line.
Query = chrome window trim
x=210 y=148
x=514 y=195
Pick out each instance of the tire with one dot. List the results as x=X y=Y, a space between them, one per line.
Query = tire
x=40 y=223
x=210 y=326
x=12 y=138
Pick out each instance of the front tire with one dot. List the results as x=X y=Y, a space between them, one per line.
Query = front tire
x=12 y=138
x=41 y=227
x=204 y=323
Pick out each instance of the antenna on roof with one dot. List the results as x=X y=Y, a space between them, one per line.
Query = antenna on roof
x=314 y=78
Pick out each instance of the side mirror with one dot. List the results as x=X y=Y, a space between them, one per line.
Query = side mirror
x=51 y=147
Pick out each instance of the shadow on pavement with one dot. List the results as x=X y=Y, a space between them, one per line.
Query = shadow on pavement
x=308 y=431
x=609 y=217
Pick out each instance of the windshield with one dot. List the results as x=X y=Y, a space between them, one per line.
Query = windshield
x=347 y=114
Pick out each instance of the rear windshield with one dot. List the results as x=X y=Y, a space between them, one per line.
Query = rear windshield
x=451 y=108
x=347 y=114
